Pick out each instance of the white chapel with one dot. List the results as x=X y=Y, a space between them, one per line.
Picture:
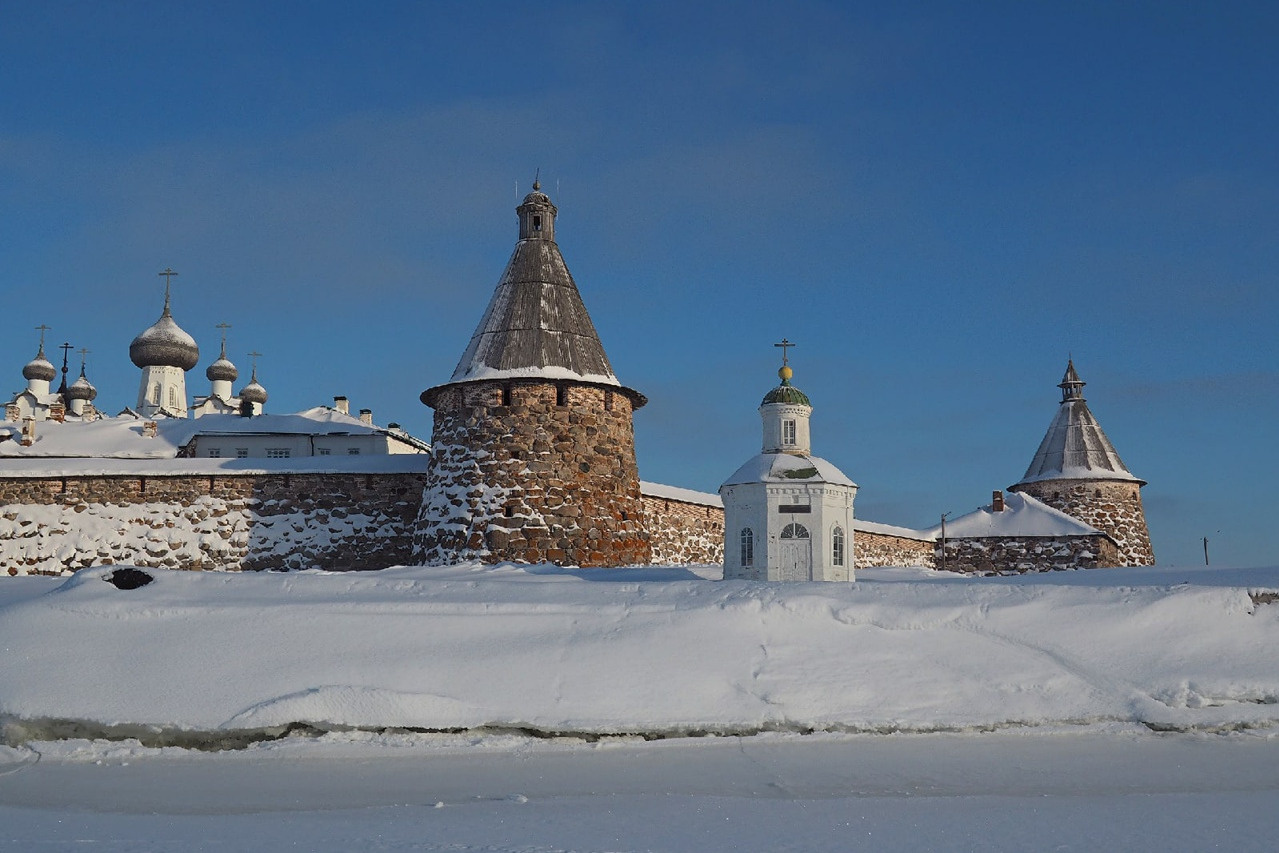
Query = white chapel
x=788 y=515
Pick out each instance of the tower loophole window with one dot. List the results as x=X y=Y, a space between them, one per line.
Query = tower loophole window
x=561 y=395
x=537 y=223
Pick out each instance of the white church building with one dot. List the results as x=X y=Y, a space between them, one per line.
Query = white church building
x=788 y=515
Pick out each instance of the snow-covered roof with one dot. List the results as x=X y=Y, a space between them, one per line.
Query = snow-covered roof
x=1022 y=515
x=122 y=437
x=675 y=493
x=1075 y=447
x=787 y=468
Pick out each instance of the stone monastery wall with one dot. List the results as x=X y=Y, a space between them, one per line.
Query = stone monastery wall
x=882 y=549
x=1113 y=507
x=1013 y=555
x=683 y=533
x=533 y=471
x=226 y=521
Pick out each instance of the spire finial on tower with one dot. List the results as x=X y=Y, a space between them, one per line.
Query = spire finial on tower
x=537 y=183
x=84 y=357
x=66 y=349
x=168 y=276
x=785 y=373
x=223 y=327
x=255 y=355
x=1071 y=385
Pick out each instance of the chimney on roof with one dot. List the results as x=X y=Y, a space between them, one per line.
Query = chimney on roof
x=366 y=416
x=997 y=501
x=149 y=429
x=342 y=404
x=28 y=431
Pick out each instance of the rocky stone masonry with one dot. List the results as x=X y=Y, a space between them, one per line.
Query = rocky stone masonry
x=881 y=549
x=227 y=521
x=516 y=475
x=1111 y=506
x=684 y=534
x=1011 y=555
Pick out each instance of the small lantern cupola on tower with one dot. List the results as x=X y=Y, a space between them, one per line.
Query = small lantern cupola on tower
x=537 y=215
x=165 y=352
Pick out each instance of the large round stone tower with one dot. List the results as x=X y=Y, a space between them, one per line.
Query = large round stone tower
x=1078 y=471
x=533 y=448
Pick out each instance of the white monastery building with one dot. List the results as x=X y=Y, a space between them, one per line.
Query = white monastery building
x=788 y=515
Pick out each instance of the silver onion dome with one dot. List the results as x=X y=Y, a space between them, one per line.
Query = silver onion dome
x=164 y=344
x=222 y=369
x=39 y=368
x=82 y=388
x=253 y=392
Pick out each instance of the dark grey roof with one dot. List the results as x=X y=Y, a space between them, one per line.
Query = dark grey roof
x=253 y=392
x=82 y=388
x=1075 y=448
x=222 y=368
x=165 y=344
x=40 y=367
x=536 y=325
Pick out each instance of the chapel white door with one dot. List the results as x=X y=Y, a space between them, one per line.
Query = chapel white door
x=795 y=554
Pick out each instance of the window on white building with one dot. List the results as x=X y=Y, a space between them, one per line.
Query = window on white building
x=794 y=531
x=837 y=546
x=278 y=453
x=242 y=453
x=353 y=451
x=788 y=433
x=173 y=396
x=323 y=451
x=215 y=452
x=748 y=547
x=155 y=394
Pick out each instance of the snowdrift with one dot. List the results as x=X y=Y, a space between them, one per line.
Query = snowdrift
x=653 y=652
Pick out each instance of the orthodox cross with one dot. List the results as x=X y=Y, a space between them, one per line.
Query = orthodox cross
x=168 y=277
x=66 y=349
x=255 y=356
x=785 y=345
x=83 y=357
x=223 y=327
x=42 y=328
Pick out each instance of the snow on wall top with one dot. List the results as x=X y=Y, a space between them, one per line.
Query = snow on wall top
x=122 y=437
x=1023 y=515
x=893 y=530
x=364 y=463
x=788 y=468
x=675 y=493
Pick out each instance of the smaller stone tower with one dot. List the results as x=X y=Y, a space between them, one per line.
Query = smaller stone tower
x=1078 y=471
x=788 y=515
x=533 y=446
x=165 y=352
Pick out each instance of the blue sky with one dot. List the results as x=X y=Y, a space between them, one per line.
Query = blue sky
x=939 y=202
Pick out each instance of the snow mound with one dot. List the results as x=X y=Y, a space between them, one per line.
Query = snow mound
x=655 y=652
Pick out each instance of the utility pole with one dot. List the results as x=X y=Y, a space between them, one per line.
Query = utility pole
x=943 y=540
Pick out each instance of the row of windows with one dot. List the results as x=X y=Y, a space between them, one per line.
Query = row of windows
x=278 y=452
x=793 y=531
x=561 y=397
x=155 y=395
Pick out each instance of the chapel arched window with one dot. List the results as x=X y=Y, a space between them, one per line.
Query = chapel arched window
x=748 y=547
x=794 y=531
x=837 y=546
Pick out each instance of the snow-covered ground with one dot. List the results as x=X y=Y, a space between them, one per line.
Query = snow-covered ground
x=507 y=709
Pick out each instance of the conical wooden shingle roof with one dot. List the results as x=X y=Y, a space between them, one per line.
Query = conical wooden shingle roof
x=1075 y=447
x=536 y=326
